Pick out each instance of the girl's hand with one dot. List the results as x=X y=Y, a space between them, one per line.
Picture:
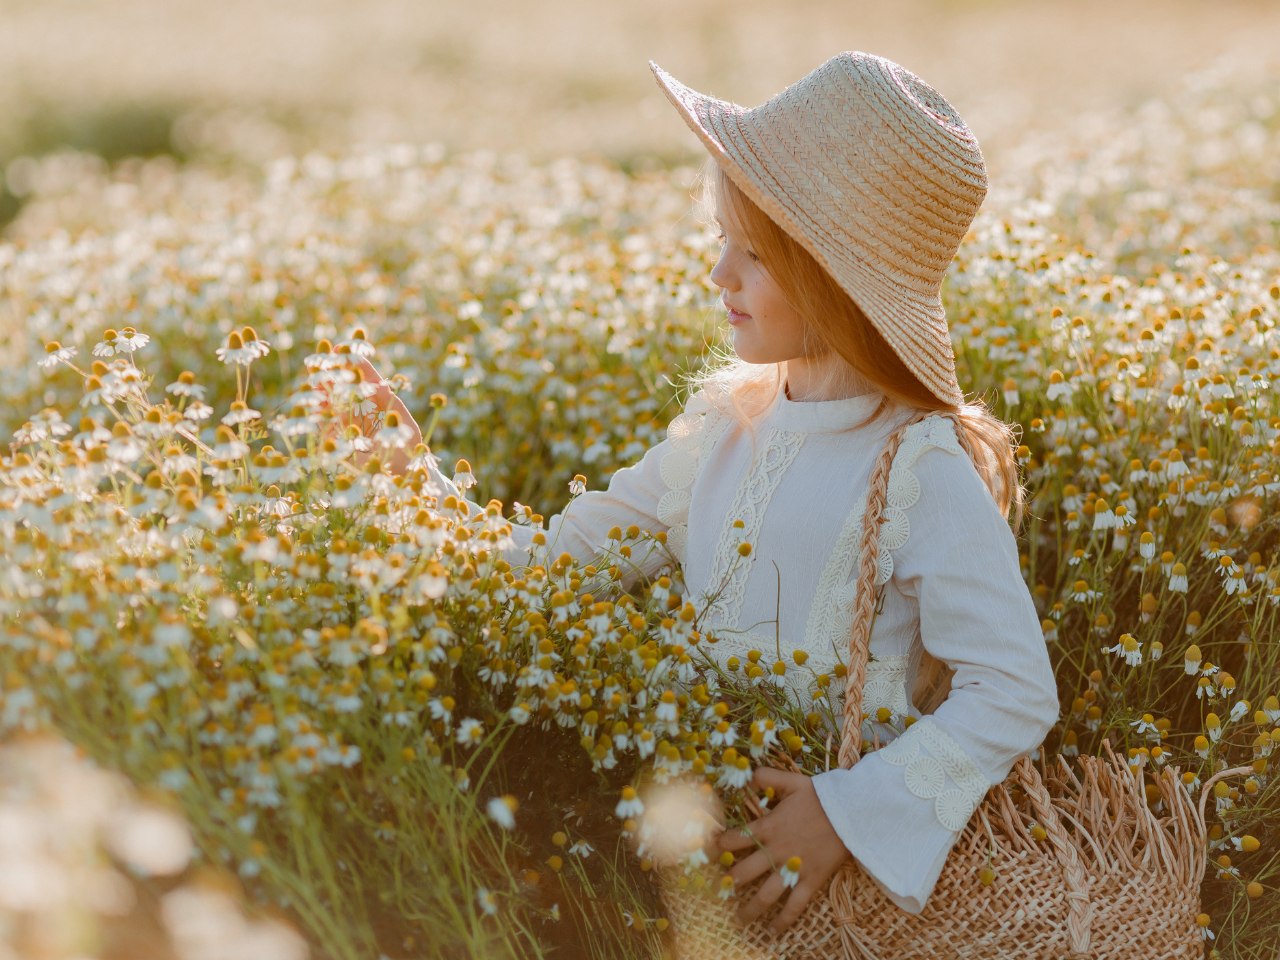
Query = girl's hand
x=384 y=399
x=797 y=827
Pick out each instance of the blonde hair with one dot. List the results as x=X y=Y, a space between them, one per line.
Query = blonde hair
x=835 y=324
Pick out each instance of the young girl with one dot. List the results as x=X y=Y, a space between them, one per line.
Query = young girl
x=841 y=203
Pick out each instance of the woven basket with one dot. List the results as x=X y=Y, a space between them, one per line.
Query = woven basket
x=1110 y=879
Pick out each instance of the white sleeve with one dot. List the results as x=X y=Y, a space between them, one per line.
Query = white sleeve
x=581 y=530
x=631 y=499
x=900 y=809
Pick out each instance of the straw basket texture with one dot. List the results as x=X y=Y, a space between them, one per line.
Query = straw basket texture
x=1109 y=879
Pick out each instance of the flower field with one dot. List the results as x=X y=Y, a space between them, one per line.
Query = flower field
x=215 y=584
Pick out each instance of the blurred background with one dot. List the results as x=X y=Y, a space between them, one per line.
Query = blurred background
x=247 y=80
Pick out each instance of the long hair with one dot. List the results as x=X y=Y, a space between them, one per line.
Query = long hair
x=834 y=324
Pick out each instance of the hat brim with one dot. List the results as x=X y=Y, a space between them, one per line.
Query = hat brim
x=914 y=324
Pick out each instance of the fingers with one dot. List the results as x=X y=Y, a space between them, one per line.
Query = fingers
x=369 y=374
x=753 y=866
x=782 y=782
x=801 y=894
x=765 y=897
x=738 y=839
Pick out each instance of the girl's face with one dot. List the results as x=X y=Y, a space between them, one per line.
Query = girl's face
x=766 y=328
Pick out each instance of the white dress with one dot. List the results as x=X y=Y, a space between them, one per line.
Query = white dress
x=954 y=589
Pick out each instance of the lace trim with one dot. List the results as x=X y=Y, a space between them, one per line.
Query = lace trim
x=886 y=686
x=749 y=505
x=926 y=775
x=692 y=435
x=831 y=615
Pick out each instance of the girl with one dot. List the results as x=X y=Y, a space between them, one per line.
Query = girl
x=841 y=203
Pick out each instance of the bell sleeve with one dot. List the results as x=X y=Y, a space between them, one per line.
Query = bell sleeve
x=900 y=809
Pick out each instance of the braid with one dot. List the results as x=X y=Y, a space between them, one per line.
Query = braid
x=865 y=602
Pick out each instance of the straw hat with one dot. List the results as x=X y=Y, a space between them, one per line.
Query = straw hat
x=875 y=174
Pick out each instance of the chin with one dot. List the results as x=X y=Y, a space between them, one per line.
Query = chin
x=747 y=351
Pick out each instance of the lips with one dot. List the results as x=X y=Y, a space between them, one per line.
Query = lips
x=736 y=316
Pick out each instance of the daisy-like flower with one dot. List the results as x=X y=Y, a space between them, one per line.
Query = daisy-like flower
x=1059 y=386
x=502 y=810
x=726 y=890
x=1145 y=724
x=630 y=805
x=55 y=353
x=578 y=486
x=1178 y=578
x=1192 y=661
x=1271 y=707
x=196 y=410
x=298 y=423
x=1147 y=545
x=240 y=413
x=255 y=343
x=667 y=709
x=790 y=872
x=227 y=446
x=463 y=478
x=394 y=433
x=1128 y=648
x=1070 y=745
x=324 y=358
x=1233 y=575
x=358 y=343
x=186 y=386
x=1081 y=593
x=470 y=732
x=1213 y=727
x=1050 y=630
x=130 y=339
x=735 y=771
x=487 y=901
x=581 y=849
x=96 y=393
x=520 y=713
x=234 y=350
x=1010 y=392
x=1103 y=517
x=109 y=346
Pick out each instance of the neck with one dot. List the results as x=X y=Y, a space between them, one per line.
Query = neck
x=824 y=377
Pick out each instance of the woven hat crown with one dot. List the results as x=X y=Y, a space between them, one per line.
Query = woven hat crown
x=875 y=174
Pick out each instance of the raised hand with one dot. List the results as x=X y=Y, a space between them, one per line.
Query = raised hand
x=384 y=399
x=796 y=827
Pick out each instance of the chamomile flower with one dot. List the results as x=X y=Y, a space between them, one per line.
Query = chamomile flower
x=630 y=805
x=470 y=732
x=234 y=351
x=790 y=872
x=55 y=353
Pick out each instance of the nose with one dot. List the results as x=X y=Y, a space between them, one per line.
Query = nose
x=723 y=274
